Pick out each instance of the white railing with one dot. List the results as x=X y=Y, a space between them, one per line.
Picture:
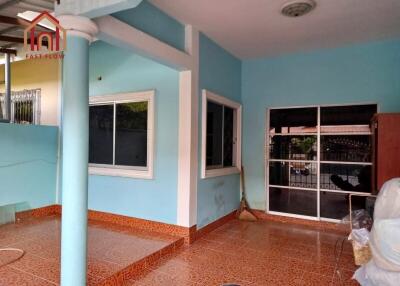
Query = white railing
x=25 y=106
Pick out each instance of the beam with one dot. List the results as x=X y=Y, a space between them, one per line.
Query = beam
x=44 y=5
x=12 y=39
x=16 y=40
x=120 y=34
x=94 y=9
x=9 y=29
x=13 y=21
x=26 y=5
x=9 y=3
x=19 y=22
x=8 y=51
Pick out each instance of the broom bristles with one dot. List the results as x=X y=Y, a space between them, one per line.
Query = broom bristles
x=247 y=216
x=244 y=212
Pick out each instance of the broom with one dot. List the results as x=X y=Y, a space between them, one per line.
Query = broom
x=244 y=212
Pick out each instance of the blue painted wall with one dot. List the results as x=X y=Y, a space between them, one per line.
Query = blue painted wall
x=156 y=23
x=156 y=199
x=220 y=72
x=354 y=74
x=28 y=165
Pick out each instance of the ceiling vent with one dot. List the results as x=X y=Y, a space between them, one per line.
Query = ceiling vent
x=298 y=8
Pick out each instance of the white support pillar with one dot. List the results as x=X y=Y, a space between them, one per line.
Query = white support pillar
x=7 y=82
x=188 y=134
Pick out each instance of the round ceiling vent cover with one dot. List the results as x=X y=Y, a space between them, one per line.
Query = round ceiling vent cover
x=298 y=8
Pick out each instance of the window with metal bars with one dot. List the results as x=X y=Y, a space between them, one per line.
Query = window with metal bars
x=25 y=106
x=316 y=157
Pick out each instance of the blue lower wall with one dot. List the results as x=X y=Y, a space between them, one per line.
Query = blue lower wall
x=155 y=199
x=219 y=72
x=28 y=165
x=354 y=74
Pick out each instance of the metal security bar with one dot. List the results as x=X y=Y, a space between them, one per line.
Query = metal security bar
x=25 y=106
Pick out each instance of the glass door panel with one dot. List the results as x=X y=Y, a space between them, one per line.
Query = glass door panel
x=298 y=202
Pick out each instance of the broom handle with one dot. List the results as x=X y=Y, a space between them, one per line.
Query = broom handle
x=242 y=185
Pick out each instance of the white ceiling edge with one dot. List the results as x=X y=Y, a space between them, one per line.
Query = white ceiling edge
x=256 y=29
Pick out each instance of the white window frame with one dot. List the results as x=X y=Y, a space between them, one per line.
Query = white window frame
x=128 y=171
x=318 y=161
x=237 y=155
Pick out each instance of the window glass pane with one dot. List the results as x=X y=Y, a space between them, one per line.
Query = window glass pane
x=293 y=120
x=101 y=134
x=293 y=201
x=214 y=135
x=228 y=137
x=131 y=134
x=293 y=174
x=293 y=147
x=336 y=205
x=349 y=148
x=356 y=118
x=351 y=178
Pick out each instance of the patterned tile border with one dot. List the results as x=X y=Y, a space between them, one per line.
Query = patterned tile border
x=215 y=224
x=175 y=230
x=190 y=234
x=140 y=266
x=39 y=212
x=320 y=225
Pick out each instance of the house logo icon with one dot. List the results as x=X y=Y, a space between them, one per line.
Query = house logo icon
x=42 y=42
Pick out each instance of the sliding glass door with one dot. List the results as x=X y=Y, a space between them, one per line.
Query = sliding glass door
x=316 y=157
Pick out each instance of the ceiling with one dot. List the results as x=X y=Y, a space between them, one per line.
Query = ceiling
x=255 y=28
x=12 y=27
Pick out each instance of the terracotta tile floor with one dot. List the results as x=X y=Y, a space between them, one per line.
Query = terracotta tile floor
x=260 y=253
x=110 y=249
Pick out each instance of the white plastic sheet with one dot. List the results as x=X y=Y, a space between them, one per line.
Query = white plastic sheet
x=385 y=233
x=359 y=236
x=371 y=275
x=387 y=205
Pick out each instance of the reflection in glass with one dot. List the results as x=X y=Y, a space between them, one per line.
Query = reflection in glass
x=347 y=115
x=228 y=136
x=293 y=174
x=293 y=120
x=214 y=135
x=346 y=148
x=351 y=178
x=293 y=147
x=131 y=134
x=101 y=120
x=336 y=205
x=293 y=201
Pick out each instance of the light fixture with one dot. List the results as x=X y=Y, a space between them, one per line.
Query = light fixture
x=298 y=8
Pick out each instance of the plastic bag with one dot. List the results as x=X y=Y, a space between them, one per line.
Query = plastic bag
x=359 y=236
x=360 y=219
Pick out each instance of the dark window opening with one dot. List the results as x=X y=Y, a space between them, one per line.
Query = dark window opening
x=220 y=136
x=118 y=134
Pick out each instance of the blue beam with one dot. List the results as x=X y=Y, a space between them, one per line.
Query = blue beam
x=94 y=9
